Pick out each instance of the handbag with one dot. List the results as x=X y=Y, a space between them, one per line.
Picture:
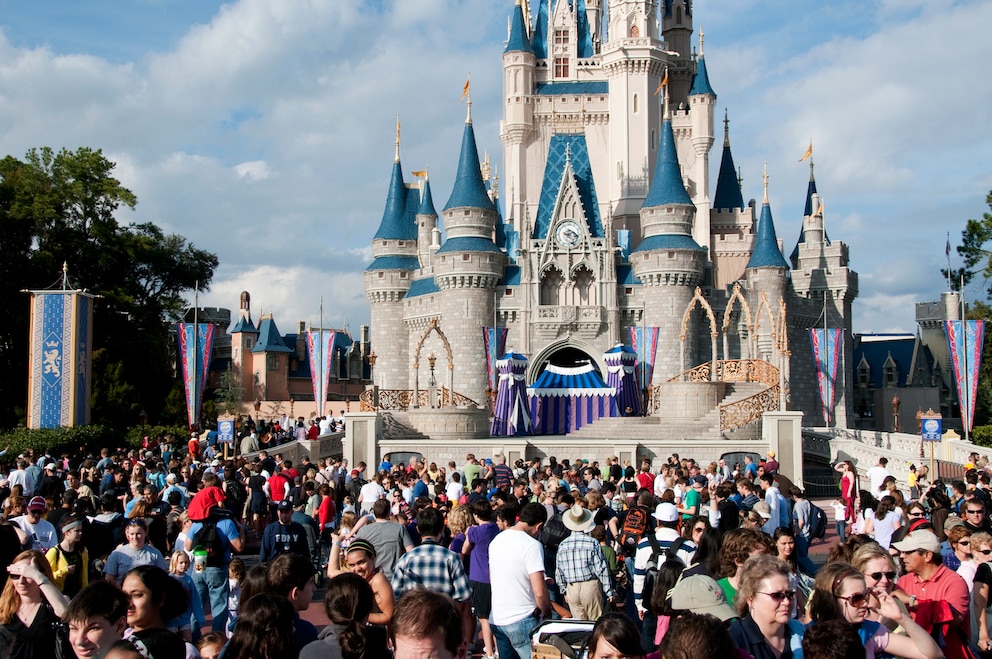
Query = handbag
x=63 y=649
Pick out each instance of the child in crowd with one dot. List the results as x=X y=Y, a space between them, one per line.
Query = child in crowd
x=188 y=623
x=235 y=577
x=840 y=518
x=211 y=644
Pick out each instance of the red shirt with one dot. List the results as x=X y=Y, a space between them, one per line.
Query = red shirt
x=944 y=585
x=645 y=480
x=277 y=487
x=194 y=446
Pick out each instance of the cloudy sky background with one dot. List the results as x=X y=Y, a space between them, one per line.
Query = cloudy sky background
x=263 y=131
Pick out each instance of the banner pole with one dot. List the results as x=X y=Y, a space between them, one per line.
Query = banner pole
x=966 y=389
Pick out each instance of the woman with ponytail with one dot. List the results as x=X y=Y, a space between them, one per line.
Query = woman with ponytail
x=348 y=603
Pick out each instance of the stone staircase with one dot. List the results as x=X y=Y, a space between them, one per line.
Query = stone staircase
x=648 y=428
x=396 y=425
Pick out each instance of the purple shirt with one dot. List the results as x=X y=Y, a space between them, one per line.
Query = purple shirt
x=480 y=537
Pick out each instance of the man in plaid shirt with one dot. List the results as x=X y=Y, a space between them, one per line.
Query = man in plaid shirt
x=581 y=569
x=433 y=567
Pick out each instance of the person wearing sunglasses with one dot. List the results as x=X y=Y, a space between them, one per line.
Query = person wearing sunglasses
x=880 y=572
x=841 y=593
x=134 y=553
x=981 y=556
x=766 y=629
x=973 y=514
x=30 y=604
x=959 y=538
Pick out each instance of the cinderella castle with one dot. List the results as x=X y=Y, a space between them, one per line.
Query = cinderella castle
x=605 y=246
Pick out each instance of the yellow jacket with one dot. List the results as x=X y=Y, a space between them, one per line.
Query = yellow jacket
x=60 y=566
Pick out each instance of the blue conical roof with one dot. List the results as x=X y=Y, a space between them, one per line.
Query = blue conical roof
x=666 y=186
x=728 y=189
x=701 y=81
x=244 y=325
x=518 y=33
x=766 y=253
x=426 y=201
x=807 y=211
x=394 y=225
x=469 y=190
x=269 y=339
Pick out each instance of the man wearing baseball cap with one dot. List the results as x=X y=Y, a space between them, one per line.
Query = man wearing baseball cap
x=41 y=534
x=666 y=538
x=283 y=536
x=929 y=583
x=700 y=594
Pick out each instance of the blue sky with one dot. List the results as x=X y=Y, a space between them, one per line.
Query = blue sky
x=263 y=131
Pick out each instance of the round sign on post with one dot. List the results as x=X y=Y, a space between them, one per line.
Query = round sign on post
x=931 y=430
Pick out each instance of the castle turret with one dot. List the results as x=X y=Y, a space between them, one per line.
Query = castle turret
x=518 y=108
x=702 y=104
x=467 y=268
x=676 y=30
x=808 y=211
x=766 y=274
x=668 y=262
x=388 y=278
x=270 y=359
x=731 y=222
x=426 y=224
x=244 y=334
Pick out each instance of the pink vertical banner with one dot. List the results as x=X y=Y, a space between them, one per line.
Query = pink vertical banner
x=196 y=341
x=320 y=349
x=494 y=339
x=826 y=357
x=965 y=343
x=644 y=342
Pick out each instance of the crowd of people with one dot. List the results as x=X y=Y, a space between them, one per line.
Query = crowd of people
x=179 y=552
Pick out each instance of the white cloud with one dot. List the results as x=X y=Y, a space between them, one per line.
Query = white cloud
x=255 y=170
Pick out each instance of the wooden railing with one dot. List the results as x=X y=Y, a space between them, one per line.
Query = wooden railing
x=403 y=399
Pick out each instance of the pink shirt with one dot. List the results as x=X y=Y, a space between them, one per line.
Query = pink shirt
x=944 y=585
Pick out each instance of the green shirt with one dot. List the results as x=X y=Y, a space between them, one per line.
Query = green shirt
x=471 y=472
x=690 y=501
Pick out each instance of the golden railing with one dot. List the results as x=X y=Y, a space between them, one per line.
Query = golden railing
x=402 y=399
x=740 y=412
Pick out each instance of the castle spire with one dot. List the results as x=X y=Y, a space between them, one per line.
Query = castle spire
x=394 y=224
x=728 y=186
x=396 y=158
x=666 y=185
x=766 y=253
x=469 y=190
x=517 y=40
x=701 y=81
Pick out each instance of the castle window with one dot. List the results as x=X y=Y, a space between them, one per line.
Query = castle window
x=561 y=37
x=382 y=274
x=561 y=67
x=635 y=104
x=508 y=292
x=654 y=140
x=466 y=257
x=401 y=243
x=863 y=375
x=272 y=361
x=403 y=275
x=890 y=376
x=635 y=32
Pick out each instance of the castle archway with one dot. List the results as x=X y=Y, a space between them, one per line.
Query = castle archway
x=567 y=354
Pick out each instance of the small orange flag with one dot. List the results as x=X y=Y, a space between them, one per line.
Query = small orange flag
x=809 y=152
x=662 y=84
x=468 y=83
x=422 y=172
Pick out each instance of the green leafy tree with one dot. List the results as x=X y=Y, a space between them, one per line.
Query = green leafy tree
x=977 y=257
x=61 y=207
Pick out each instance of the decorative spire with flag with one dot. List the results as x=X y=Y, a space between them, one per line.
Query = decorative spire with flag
x=809 y=151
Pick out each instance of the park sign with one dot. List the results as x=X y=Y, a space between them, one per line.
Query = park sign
x=225 y=431
x=931 y=426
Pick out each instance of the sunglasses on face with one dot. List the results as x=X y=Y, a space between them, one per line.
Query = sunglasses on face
x=916 y=514
x=699 y=529
x=877 y=576
x=964 y=542
x=857 y=599
x=975 y=512
x=984 y=551
x=14 y=577
x=781 y=595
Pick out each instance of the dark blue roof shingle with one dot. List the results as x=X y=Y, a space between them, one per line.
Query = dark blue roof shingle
x=766 y=253
x=577 y=151
x=666 y=186
x=469 y=190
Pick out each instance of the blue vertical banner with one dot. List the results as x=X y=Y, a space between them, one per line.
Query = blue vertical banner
x=60 y=357
x=195 y=345
x=965 y=341
x=827 y=344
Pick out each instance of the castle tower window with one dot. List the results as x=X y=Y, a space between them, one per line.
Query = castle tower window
x=561 y=37
x=561 y=67
x=890 y=376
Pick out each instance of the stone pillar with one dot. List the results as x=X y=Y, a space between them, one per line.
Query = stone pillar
x=783 y=432
x=361 y=438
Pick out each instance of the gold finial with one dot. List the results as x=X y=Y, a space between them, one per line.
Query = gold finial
x=764 y=177
x=700 y=40
x=485 y=166
x=396 y=158
x=740 y=178
x=726 y=128
x=495 y=183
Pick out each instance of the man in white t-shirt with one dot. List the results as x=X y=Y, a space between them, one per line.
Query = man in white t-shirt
x=877 y=475
x=41 y=534
x=520 y=598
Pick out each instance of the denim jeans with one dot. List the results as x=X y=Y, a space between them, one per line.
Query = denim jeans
x=513 y=640
x=212 y=585
x=802 y=555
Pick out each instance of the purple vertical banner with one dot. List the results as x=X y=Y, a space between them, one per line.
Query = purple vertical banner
x=826 y=357
x=196 y=341
x=965 y=344
x=644 y=342
x=320 y=346
x=494 y=339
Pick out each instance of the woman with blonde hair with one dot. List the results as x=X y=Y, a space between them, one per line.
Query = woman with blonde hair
x=880 y=573
x=766 y=629
x=30 y=605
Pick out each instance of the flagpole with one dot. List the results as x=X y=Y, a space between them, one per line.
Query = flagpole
x=966 y=398
x=322 y=385
x=196 y=349
x=947 y=252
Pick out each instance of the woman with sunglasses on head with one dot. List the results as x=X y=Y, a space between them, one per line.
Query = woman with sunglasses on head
x=960 y=540
x=766 y=629
x=880 y=572
x=841 y=593
x=981 y=552
x=134 y=553
x=30 y=604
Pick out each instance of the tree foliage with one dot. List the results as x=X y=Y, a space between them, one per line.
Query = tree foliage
x=61 y=207
x=977 y=257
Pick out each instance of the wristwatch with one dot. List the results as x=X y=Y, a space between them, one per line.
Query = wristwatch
x=913 y=601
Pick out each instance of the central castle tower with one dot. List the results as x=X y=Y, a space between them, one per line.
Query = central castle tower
x=607 y=130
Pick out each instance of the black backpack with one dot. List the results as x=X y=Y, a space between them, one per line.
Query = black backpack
x=817 y=522
x=209 y=538
x=634 y=526
x=651 y=571
x=554 y=532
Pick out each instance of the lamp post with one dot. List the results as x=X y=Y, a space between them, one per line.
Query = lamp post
x=375 y=389
x=431 y=361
